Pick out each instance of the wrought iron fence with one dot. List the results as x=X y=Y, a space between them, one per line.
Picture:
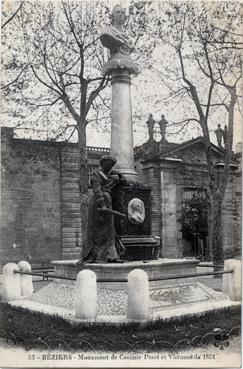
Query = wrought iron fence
x=218 y=337
x=173 y=276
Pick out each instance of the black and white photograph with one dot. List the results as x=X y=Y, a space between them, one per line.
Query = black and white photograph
x=121 y=184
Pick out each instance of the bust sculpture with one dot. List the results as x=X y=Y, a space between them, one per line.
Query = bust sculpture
x=117 y=41
x=115 y=38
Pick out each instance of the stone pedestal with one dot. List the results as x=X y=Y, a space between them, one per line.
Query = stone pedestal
x=121 y=124
x=110 y=273
x=121 y=196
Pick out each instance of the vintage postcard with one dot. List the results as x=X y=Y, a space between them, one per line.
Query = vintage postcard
x=121 y=152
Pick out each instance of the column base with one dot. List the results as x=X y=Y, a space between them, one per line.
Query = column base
x=130 y=176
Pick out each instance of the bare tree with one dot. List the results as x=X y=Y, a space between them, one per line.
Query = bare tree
x=59 y=60
x=193 y=33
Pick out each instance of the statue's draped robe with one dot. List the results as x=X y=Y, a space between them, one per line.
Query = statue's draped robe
x=101 y=231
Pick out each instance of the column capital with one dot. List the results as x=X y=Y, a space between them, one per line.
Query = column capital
x=121 y=75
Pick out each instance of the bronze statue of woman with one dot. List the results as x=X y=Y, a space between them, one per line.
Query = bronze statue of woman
x=101 y=230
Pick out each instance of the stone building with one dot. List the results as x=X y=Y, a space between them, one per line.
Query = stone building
x=40 y=198
x=179 y=179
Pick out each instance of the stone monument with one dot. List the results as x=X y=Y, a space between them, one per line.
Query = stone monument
x=132 y=229
x=120 y=67
x=128 y=196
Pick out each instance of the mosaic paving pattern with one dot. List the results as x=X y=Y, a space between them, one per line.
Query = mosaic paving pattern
x=179 y=295
x=114 y=302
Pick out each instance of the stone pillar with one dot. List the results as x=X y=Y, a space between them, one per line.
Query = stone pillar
x=138 y=295
x=121 y=124
x=170 y=227
x=26 y=283
x=86 y=295
x=232 y=281
x=228 y=219
x=11 y=283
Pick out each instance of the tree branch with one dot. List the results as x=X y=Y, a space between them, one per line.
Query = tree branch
x=96 y=92
x=43 y=82
x=192 y=88
x=15 y=80
x=12 y=16
x=70 y=22
x=69 y=106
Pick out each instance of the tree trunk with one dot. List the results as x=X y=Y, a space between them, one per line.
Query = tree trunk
x=217 y=239
x=217 y=194
x=83 y=182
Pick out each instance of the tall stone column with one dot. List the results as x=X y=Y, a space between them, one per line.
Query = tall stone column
x=121 y=124
x=120 y=67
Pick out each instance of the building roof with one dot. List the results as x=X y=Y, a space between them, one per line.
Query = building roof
x=159 y=150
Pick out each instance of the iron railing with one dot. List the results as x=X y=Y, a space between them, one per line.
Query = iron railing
x=220 y=338
x=120 y=280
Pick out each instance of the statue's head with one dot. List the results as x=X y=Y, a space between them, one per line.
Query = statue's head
x=118 y=15
x=150 y=116
x=162 y=116
x=219 y=125
x=107 y=162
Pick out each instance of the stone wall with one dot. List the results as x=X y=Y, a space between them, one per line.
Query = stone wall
x=40 y=211
x=237 y=227
x=30 y=200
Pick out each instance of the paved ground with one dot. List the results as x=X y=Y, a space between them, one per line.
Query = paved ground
x=210 y=356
